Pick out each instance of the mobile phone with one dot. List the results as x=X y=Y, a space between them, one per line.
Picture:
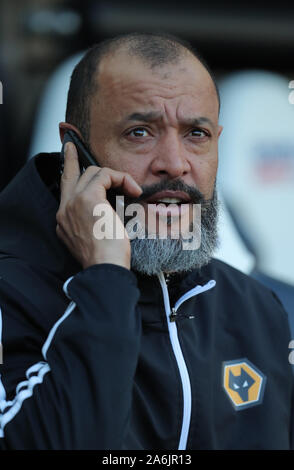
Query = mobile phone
x=85 y=157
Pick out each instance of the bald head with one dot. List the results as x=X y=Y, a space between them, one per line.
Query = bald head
x=154 y=50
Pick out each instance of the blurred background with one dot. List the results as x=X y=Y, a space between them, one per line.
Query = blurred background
x=38 y=35
x=249 y=47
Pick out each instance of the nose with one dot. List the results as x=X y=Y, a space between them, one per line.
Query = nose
x=170 y=158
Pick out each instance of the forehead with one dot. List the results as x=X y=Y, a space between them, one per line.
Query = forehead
x=126 y=83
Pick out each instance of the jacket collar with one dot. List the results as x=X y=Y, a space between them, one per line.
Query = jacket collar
x=178 y=284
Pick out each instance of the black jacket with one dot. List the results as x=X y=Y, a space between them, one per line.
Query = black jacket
x=99 y=364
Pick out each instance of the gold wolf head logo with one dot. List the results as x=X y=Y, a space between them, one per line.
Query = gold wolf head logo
x=243 y=383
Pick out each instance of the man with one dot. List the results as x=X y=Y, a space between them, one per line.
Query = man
x=148 y=345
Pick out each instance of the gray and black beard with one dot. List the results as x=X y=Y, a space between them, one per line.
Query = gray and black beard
x=151 y=256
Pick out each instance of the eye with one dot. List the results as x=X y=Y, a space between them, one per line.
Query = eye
x=138 y=132
x=200 y=133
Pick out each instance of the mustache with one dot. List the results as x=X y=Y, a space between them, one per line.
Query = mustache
x=195 y=195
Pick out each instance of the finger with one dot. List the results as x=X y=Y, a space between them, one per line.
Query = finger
x=86 y=177
x=71 y=171
x=107 y=178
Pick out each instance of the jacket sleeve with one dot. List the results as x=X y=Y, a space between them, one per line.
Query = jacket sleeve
x=79 y=395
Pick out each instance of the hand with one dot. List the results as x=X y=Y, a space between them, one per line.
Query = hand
x=75 y=221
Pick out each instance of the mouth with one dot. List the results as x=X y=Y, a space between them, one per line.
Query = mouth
x=169 y=197
x=168 y=203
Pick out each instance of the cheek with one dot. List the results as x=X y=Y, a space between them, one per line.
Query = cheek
x=204 y=174
x=138 y=170
x=118 y=160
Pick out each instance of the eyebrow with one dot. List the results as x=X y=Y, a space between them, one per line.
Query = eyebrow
x=199 y=121
x=152 y=116
x=145 y=117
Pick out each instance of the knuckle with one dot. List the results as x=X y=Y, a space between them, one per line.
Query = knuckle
x=102 y=171
x=59 y=217
x=106 y=171
x=65 y=177
x=92 y=169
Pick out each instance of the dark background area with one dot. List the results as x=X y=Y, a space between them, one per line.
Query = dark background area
x=36 y=36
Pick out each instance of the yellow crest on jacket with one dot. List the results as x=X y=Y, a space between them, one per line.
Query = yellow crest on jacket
x=243 y=383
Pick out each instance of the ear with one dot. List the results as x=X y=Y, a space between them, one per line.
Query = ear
x=219 y=131
x=65 y=126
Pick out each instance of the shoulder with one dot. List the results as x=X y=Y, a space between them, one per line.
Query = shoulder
x=226 y=275
x=243 y=291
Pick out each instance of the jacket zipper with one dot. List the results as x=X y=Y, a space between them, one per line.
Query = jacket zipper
x=171 y=315
x=191 y=293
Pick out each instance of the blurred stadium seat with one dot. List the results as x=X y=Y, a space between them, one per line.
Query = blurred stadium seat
x=256 y=173
x=51 y=111
x=232 y=249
